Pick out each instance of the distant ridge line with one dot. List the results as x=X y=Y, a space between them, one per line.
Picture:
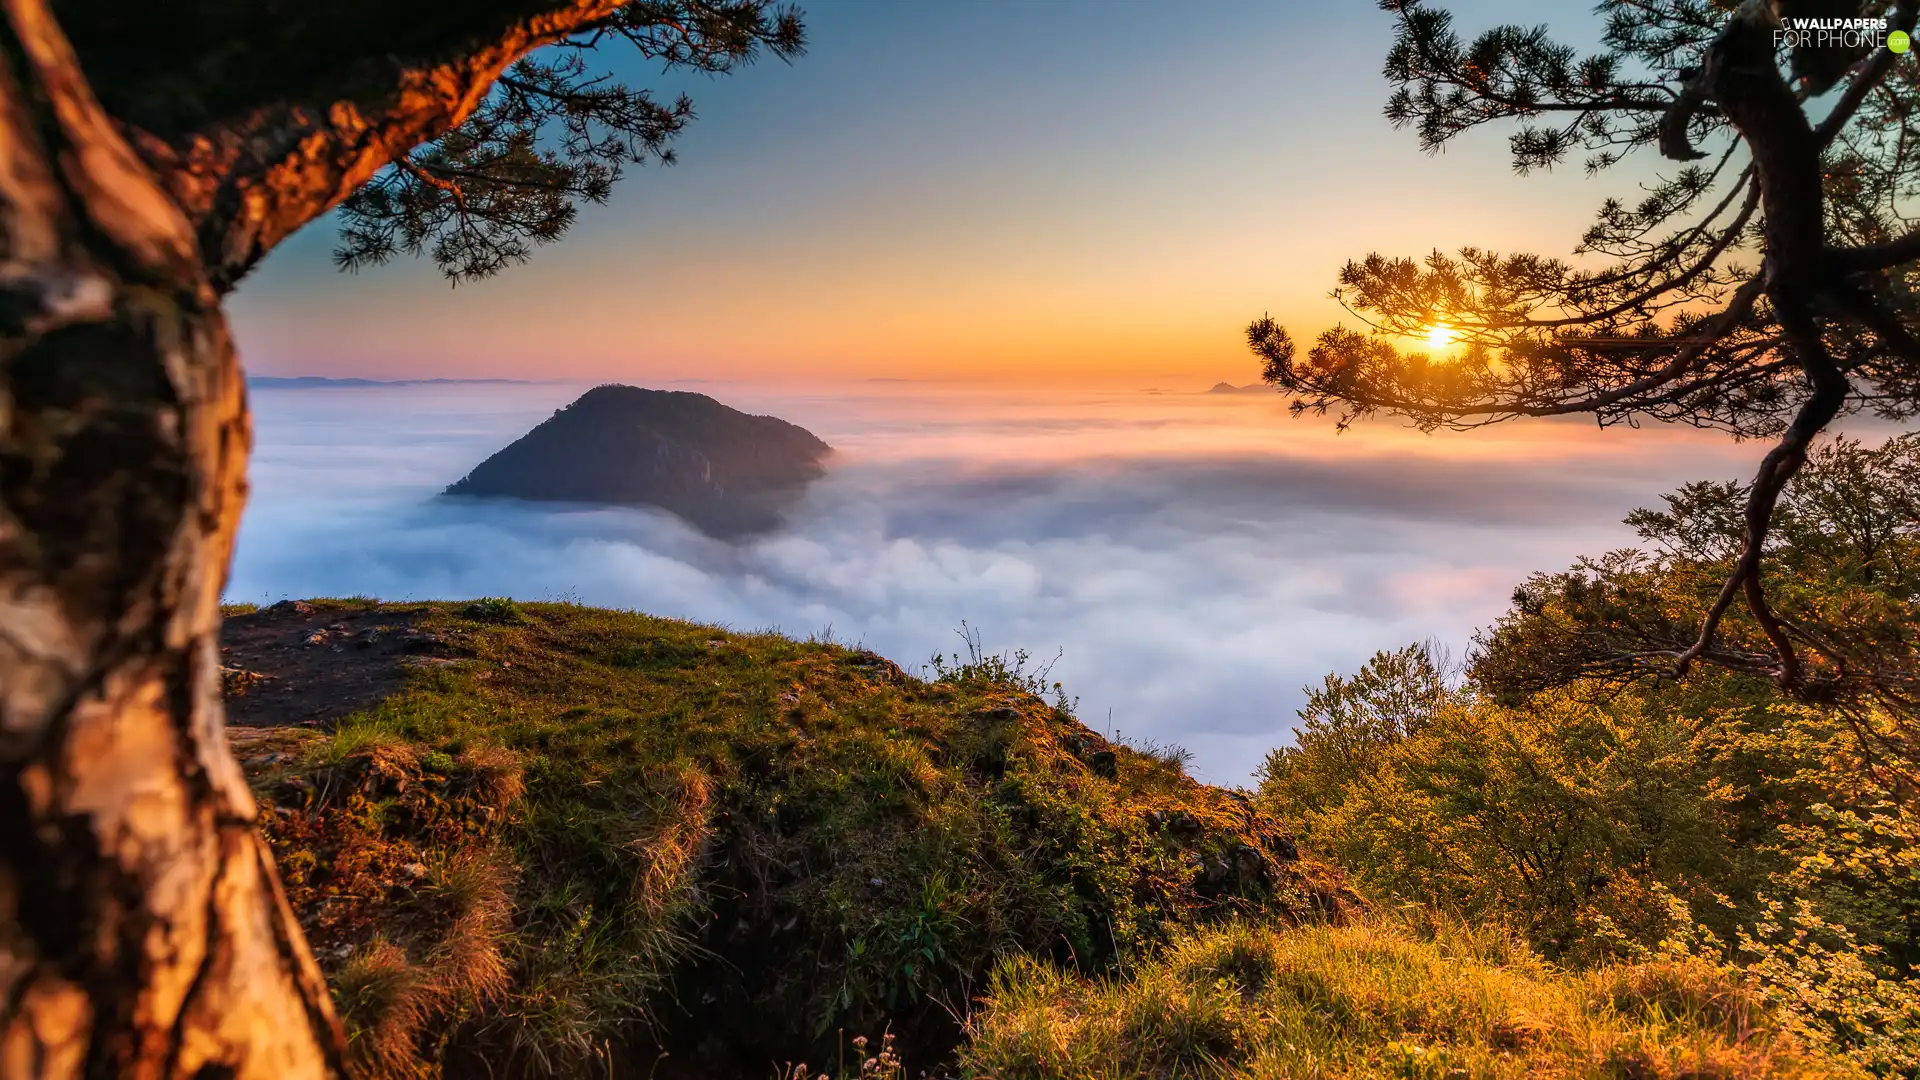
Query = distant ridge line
x=314 y=382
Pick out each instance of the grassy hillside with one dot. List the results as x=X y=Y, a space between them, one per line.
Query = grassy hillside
x=547 y=840
x=1382 y=998
x=571 y=841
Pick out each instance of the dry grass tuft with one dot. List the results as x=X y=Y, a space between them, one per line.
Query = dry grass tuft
x=383 y=1003
x=466 y=965
x=496 y=774
x=671 y=842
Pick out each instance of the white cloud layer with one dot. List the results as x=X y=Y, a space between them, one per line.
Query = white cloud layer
x=1198 y=559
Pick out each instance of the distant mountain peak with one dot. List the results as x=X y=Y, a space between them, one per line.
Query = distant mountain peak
x=727 y=472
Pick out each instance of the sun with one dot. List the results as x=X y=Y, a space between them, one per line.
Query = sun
x=1440 y=335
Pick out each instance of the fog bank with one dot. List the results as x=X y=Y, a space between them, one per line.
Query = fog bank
x=1197 y=559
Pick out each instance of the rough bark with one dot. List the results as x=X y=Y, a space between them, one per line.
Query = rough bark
x=1747 y=84
x=142 y=928
x=257 y=177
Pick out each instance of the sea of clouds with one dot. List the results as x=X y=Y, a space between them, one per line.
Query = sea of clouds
x=1194 y=559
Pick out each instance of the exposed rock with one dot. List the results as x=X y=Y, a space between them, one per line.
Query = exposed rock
x=298 y=663
x=234 y=681
x=432 y=662
x=878 y=666
x=725 y=471
x=1185 y=825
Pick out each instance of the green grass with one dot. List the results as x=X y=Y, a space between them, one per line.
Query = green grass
x=601 y=836
x=1381 y=998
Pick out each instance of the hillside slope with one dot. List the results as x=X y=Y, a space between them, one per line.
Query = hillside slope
x=554 y=839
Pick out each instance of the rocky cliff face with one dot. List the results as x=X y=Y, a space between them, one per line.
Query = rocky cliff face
x=725 y=471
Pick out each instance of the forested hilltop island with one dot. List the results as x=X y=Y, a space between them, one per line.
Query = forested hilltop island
x=725 y=471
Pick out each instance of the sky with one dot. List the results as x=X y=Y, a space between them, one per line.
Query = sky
x=1059 y=190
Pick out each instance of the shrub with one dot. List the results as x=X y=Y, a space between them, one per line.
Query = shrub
x=495 y=609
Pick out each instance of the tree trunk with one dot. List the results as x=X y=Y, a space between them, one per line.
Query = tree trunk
x=143 y=932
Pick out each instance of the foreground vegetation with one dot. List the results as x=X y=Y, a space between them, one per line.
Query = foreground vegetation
x=1610 y=814
x=581 y=840
x=1381 y=997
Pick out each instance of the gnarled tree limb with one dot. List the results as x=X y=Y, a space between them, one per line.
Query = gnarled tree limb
x=252 y=181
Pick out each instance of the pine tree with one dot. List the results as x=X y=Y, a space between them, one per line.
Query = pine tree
x=1765 y=286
